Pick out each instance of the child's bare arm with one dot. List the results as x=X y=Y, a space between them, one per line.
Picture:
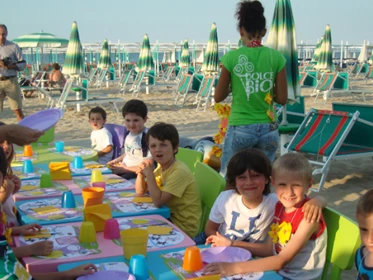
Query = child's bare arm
x=313 y=209
x=211 y=228
x=105 y=151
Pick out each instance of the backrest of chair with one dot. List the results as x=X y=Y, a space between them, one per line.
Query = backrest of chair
x=322 y=132
x=326 y=82
x=189 y=157
x=370 y=73
x=65 y=93
x=139 y=77
x=206 y=86
x=342 y=81
x=184 y=84
x=302 y=77
x=210 y=184
x=126 y=76
x=343 y=241
x=117 y=131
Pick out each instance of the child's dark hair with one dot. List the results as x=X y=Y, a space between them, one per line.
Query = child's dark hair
x=11 y=155
x=365 y=204
x=250 y=16
x=98 y=110
x=3 y=163
x=250 y=159
x=164 y=131
x=135 y=106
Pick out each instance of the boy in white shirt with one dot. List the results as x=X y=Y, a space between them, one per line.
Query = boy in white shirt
x=101 y=138
x=135 y=114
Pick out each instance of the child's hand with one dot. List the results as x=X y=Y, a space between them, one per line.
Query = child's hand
x=218 y=240
x=312 y=210
x=224 y=269
x=147 y=170
x=42 y=248
x=27 y=229
x=17 y=183
x=80 y=271
x=8 y=185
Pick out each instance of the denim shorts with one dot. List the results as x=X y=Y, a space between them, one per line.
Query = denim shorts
x=264 y=137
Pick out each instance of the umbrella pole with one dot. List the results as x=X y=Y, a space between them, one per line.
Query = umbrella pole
x=284 y=138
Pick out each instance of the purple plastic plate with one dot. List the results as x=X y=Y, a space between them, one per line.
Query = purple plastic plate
x=42 y=120
x=225 y=254
x=108 y=274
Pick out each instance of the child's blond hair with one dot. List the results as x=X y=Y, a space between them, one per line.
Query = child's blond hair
x=365 y=204
x=294 y=163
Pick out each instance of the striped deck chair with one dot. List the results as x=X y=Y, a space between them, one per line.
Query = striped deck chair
x=205 y=91
x=100 y=80
x=325 y=85
x=137 y=83
x=369 y=74
x=363 y=70
x=323 y=134
x=124 y=80
x=182 y=89
x=168 y=73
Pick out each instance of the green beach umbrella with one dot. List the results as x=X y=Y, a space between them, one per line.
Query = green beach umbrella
x=316 y=54
x=145 y=62
x=282 y=37
x=211 y=59
x=74 y=63
x=240 y=44
x=105 y=61
x=325 y=62
x=185 y=56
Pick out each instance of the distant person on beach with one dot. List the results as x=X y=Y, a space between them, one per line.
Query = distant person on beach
x=56 y=78
x=11 y=62
x=101 y=138
x=135 y=114
x=256 y=76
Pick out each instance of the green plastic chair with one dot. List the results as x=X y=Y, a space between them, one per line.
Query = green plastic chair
x=189 y=157
x=46 y=138
x=210 y=185
x=343 y=241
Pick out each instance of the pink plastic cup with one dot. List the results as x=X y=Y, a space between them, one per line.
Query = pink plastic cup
x=99 y=185
x=112 y=230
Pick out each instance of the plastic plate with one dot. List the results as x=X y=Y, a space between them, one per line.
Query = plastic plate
x=42 y=120
x=225 y=254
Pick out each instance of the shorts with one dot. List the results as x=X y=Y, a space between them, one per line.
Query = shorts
x=11 y=89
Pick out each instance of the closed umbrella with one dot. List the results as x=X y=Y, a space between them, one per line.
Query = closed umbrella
x=145 y=62
x=371 y=59
x=363 y=56
x=74 y=64
x=282 y=37
x=325 y=62
x=105 y=61
x=211 y=58
x=185 y=56
x=316 y=54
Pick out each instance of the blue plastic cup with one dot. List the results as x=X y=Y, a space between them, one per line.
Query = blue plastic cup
x=78 y=162
x=68 y=200
x=139 y=267
x=60 y=145
x=27 y=166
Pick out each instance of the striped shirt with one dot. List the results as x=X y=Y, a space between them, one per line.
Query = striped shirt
x=11 y=50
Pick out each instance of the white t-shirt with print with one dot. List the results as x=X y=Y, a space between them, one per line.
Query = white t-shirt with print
x=237 y=222
x=100 y=139
x=133 y=150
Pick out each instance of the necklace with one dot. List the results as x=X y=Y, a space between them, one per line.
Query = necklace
x=254 y=44
x=361 y=265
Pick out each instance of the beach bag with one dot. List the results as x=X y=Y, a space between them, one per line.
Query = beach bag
x=60 y=170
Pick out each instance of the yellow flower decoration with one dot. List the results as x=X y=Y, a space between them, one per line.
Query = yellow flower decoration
x=218 y=138
x=284 y=232
x=7 y=231
x=268 y=98
x=270 y=115
x=159 y=182
x=216 y=151
x=273 y=232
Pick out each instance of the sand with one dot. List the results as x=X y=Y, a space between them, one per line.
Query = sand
x=346 y=181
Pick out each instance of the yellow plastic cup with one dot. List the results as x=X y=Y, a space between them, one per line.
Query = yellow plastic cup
x=134 y=242
x=96 y=176
x=93 y=196
x=87 y=232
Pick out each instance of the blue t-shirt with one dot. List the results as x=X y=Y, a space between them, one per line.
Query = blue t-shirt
x=364 y=272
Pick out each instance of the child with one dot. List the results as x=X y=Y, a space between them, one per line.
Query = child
x=297 y=248
x=246 y=212
x=364 y=217
x=172 y=183
x=257 y=77
x=101 y=138
x=135 y=114
x=10 y=268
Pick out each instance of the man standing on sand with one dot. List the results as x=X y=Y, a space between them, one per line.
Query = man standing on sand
x=10 y=62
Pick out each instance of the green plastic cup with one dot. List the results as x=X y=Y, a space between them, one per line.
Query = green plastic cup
x=46 y=181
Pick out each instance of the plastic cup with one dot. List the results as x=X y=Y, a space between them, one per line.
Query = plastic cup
x=78 y=162
x=68 y=200
x=46 y=181
x=111 y=230
x=134 y=242
x=192 y=259
x=87 y=232
x=92 y=196
x=27 y=166
x=27 y=151
x=96 y=176
x=139 y=267
x=60 y=145
x=99 y=185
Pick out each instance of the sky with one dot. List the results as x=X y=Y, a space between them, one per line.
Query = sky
x=173 y=20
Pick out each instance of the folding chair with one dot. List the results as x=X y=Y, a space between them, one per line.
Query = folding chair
x=182 y=89
x=343 y=241
x=369 y=74
x=189 y=157
x=210 y=184
x=137 y=83
x=168 y=74
x=205 y=91
x=323 y=134
x=123 y=82
x=118 y=132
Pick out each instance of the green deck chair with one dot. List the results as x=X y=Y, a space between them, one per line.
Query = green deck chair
x=189 y=157
x=204 y=92
x=210 y=185
x=123 y=82
x=137 y=83
x=343 y=241
x=183 y=89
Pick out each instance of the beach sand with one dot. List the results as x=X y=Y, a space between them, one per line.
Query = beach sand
x=346 y=181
